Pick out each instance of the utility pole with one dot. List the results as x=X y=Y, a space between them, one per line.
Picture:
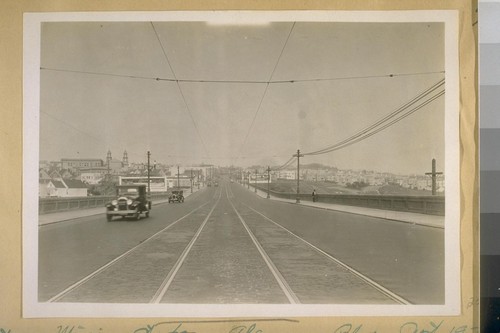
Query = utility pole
x=178 y=182
x=198 y=179
x=268 y=179
x=433 y=174
x=191 y=180
x=149 y=175
x=248 y=179
x=298 y=155
x=255 y=180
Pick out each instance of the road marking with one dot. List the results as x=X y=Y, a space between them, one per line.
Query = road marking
x=114 y=261
x=359 y=275
x=287 y=290
x=157 y=297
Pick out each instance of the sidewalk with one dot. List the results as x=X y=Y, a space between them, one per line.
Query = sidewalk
x=75 y=214
x=407 y=217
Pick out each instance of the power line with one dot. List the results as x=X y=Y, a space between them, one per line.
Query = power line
x=180 y=90
x=441 y=93
x=386 y=121
x=286 y=164
x=152 y=78
x=72 y=126
x=267 y=86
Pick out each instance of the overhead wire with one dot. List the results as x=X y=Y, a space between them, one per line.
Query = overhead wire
x=181 y=92
x=385 y=126
x=387 y=120
x=267 y=86
x=286 y=164
x=139 y=77
x=72 y=126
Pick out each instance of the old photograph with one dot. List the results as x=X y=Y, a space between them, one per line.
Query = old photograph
x=241 y=163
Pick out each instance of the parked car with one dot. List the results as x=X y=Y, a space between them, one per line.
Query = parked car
x=131 y=201
x=176 y=196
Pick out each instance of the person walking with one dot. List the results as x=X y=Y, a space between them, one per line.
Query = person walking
x=314 y=195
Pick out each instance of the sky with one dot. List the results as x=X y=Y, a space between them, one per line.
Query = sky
x=242 y=95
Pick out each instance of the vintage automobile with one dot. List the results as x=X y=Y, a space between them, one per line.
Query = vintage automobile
x=176 y=196
x=131 y=201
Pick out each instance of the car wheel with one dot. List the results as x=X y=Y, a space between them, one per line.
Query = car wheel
x=109 y=217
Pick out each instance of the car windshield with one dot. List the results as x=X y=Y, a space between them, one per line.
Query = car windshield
x=128 y=191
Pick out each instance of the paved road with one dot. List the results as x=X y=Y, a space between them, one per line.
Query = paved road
x=226 y=245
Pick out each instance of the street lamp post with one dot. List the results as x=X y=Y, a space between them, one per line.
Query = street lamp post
x=248 y=179
x=191 y=180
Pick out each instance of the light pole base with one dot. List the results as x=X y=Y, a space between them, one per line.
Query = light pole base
x=268 y=196
x=297 y=200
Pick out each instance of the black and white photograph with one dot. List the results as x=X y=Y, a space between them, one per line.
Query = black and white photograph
x=241 y=163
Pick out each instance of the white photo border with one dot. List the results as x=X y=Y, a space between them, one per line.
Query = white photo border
x=32 y=308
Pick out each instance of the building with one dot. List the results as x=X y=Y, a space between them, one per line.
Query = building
x=79 y=163
x=54 y=188
x=75 y=188
x=156 y=184
x=114 y=165
x=178 y=182
x=92 y=178
x=287 y=174
x=43 y=177
x=125 y=159
x=63 y=188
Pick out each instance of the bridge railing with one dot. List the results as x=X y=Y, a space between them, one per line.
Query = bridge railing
x=431 y=205
x=53 y=205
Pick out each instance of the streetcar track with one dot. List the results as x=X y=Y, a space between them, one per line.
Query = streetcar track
x=390 y=294
x=285 y=287
x=160 y=293
x=117 y=259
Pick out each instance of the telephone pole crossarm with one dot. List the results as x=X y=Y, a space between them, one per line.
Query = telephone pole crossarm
x=434 y=175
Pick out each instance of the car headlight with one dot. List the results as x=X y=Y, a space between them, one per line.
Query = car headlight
x=114 y=202
x=129 y=201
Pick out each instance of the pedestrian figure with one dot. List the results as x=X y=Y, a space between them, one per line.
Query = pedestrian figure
x=314 y=195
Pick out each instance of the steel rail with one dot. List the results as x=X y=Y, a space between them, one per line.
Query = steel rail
x=395 y=297
x=285 y=287
x=160 y=293
x=117 y=259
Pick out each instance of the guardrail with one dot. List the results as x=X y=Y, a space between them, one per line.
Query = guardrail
x=52 y=205
x=431 y=205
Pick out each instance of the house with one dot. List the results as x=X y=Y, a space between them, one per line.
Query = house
x=55 y=175
x=75 y=188
x=63 y=189
x=43 y=177
x=54 y=188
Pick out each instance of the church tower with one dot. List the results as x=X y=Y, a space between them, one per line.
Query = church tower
x=108 y=157
x=125 y=159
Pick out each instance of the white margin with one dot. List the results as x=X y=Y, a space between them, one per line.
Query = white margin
x=31 y=95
